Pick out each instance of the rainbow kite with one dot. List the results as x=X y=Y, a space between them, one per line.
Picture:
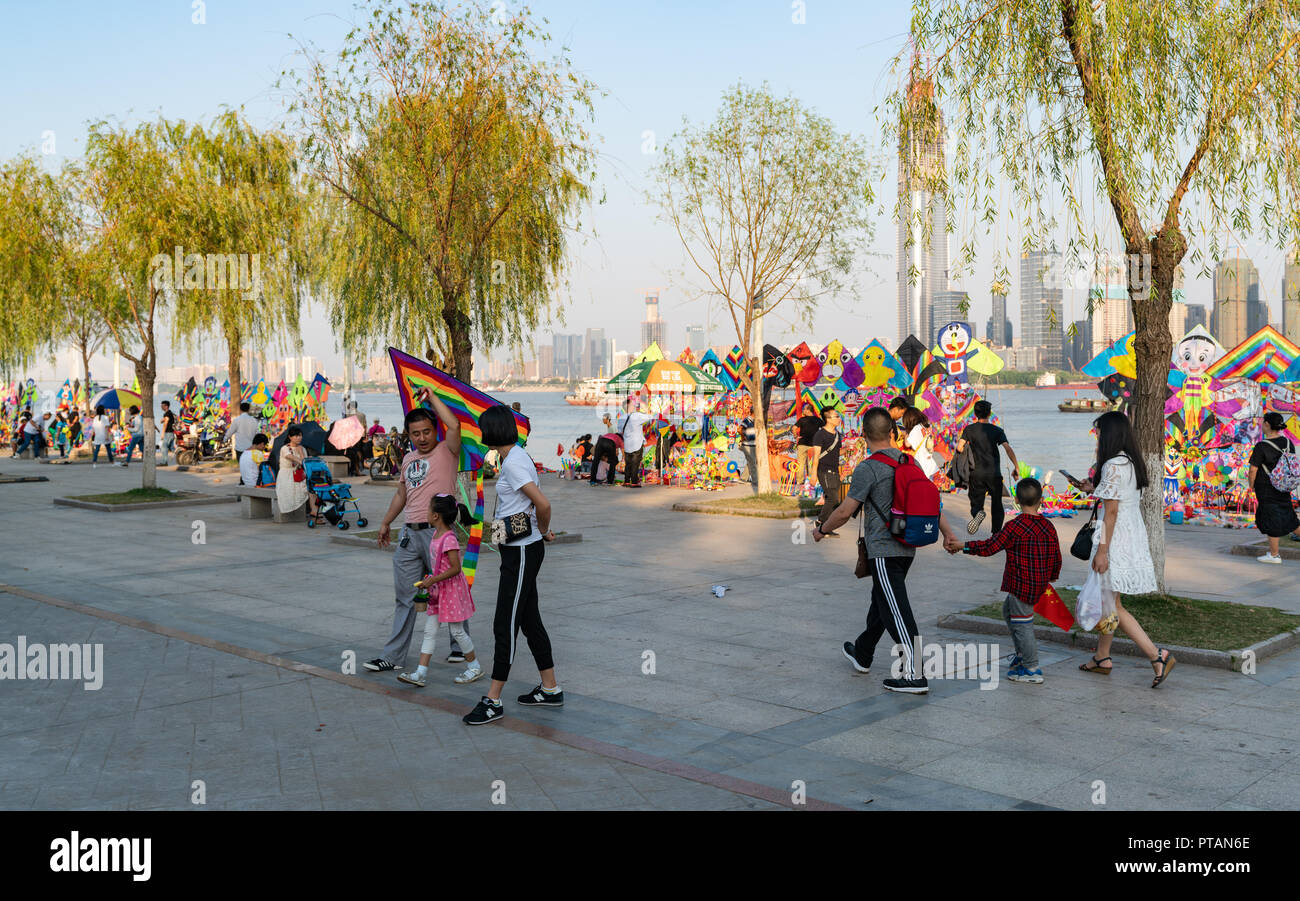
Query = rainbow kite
x=1263 y=357
x=467 y=404
x=469 y=563
x=734 y=365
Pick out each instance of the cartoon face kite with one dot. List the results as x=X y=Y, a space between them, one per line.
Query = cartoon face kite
x=836 y=362
x=880 y=369
x=954 y=349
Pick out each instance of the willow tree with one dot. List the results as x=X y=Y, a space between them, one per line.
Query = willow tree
x=47 y=260
x=771 y=203
x=252 y=212
x=1158 y=109
x=462 y=161
x=27 y=260
x=138 y=207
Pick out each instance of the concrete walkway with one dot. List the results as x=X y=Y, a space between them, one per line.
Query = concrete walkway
x=223 y=664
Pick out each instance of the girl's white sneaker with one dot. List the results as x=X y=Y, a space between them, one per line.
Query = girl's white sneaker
x=470 y=675
x=1269 y=558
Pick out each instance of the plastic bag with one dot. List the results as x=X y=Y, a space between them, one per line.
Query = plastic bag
x=1090 y=607
x=1095 y=608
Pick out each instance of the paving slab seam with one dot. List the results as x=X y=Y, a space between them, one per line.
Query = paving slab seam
x=536 y=730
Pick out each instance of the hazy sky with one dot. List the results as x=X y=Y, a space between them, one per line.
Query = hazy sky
x=71 y=63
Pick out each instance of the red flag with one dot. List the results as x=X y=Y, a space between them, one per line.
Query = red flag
x=1050 y=607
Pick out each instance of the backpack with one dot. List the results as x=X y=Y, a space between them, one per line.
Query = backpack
x=914 y=514
x=265 y=475
x=1285 y=474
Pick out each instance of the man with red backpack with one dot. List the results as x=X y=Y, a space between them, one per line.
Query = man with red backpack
x=901 y=513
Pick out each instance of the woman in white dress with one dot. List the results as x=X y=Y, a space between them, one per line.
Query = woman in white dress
x=291 y=494
x=916 y=431
x=1120 y=553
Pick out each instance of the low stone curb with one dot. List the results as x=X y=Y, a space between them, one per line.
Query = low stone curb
x=1087 y=641
x=1261 y=547
x=735 y=511
x=372 y=544
x=148 y=505
x=11 y=480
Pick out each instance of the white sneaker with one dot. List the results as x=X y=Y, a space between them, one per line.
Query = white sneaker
x=412 y=679
x=471 y=674
x=1269 y=558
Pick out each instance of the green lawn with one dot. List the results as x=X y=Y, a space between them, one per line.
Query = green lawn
x=1169 y=619
x=134 y=496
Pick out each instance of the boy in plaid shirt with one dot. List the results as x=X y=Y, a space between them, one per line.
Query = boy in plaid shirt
x=1033 y=560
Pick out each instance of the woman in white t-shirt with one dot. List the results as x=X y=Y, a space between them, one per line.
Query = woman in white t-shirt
x=519 y=500
x=916 y=436
x=101 y=435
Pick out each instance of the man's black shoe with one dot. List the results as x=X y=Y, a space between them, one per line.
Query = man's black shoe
x=851 y=655
x=908 y=686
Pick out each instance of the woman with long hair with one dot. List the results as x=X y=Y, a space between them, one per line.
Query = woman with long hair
x=1274 y=515
x=1120 y=552
x=915 y=429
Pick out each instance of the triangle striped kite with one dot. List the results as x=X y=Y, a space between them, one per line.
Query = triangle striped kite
x=467 y=404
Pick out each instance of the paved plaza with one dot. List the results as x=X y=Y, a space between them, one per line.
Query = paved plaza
x=223 y=664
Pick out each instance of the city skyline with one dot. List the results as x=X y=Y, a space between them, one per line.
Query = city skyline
x=610 y=273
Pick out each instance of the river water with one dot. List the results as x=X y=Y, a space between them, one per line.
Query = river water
x=1040 y=434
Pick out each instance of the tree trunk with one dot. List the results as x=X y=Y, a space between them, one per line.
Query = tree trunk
x=85 y=368
x=147 y=372
x=763 y=463
x=462 y=348
x=1153 y=347
x=234 y=343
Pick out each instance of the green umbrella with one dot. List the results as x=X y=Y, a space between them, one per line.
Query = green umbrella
x=664 y=377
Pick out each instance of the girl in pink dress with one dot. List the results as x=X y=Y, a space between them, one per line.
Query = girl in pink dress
x=449 y=598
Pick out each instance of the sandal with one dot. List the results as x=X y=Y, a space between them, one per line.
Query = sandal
x=1166 y=662
x=1095 y=666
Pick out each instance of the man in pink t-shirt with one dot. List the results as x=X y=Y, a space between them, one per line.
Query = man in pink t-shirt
x=429 y=469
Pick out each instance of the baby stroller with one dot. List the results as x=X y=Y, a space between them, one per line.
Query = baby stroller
x=335 y=498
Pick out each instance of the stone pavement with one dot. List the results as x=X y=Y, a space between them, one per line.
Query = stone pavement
x=223 y=662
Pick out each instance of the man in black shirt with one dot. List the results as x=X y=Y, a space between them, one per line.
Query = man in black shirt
x=827 y=443
x=986 y=476
x=168 y=432
x=805 y=452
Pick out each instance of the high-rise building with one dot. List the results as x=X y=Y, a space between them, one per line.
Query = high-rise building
x=1291 y=300
x=1108 y=296
x=695 y=339
x=922 y=258
x=1081 y=344
x=1178 y=320
x=947 y=308
x=596 y=348
x=1236 y=285
x=1196 y=315
x=653 y=329
x=1042 y=307
x=999 y=329
x=567 y=351
x=546 y=361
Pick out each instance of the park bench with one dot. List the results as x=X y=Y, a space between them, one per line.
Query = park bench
x=261 y=503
